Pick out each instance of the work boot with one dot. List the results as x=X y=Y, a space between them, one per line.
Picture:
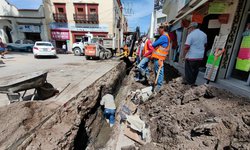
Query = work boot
x=147 y=76
x=142 y=79
x=157 y=89
x=142 y=72
x=137 y=79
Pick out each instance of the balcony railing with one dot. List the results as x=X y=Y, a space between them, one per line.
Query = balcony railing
x=86 y=18
x=60 y=17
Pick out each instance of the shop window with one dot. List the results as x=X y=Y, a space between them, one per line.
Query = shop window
x=161 y=20
x=18 y=42
x=80 y=10
x=242 y=60
x=60 y=10
x=92 y=11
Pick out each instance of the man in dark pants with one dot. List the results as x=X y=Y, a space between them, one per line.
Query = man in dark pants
x=194 y=52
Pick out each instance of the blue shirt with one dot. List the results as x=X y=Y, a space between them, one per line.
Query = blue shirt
x=162 y=41
x=196 y=40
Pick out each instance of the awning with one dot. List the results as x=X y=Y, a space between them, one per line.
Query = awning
x=176 y=26
x=190 y=10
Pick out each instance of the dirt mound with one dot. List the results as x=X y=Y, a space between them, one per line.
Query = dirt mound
x=181 y=118
x=19 y=118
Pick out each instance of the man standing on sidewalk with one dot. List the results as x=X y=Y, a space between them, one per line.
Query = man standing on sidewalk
x=194 y=52
x=161 y=46
x=2 y=49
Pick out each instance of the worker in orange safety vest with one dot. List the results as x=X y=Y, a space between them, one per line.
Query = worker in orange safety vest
x=161 y=46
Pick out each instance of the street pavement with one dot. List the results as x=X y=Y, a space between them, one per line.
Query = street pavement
x=66 y=71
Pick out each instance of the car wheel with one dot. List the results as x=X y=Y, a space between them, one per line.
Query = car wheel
x=9 y=48
x=29 y=49
x=102 y=55
x=46 y=91
x=87 y=57
x=108 y=54
x=77 y=51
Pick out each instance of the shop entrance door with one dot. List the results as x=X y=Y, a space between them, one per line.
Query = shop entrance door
x=241 y=57
x=33 y=36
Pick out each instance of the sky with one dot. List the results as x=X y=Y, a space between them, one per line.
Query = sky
x=141 y=9
x=141 y=16
x=26 y=4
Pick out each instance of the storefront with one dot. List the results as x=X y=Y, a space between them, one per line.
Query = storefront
x=60 y=37
x=62 y=32
x=31 y=32
x=239 y=64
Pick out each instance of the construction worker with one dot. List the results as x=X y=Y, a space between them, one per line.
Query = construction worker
x=109 y=112
x=161 y=46
x=147 y=52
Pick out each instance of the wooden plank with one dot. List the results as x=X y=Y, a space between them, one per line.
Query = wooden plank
x=130 y=133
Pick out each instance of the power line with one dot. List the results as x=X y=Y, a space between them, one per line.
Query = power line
x=128 y=8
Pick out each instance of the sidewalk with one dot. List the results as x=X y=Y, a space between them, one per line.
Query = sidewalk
x=236 y=87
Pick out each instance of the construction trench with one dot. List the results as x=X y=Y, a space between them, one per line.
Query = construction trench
x=179 y=117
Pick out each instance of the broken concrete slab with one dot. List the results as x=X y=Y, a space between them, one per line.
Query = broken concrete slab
x=246 y=118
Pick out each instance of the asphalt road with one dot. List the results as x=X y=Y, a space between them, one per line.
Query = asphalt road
x=65 y=70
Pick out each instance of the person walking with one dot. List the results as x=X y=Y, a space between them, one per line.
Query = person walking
x=147 y=52
x=3 y=50
x=161 y=49
x=109 y=108
x=193 y=53
x=64 y=48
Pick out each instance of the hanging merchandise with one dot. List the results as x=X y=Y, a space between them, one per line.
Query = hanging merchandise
x=243 y=59
x=197 y=18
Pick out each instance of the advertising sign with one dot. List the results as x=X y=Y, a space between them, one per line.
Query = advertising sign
x=214 y=58
x=60 y=35
x=80 y=27
x=217 y=7
x=90 y=28
x=29 y=28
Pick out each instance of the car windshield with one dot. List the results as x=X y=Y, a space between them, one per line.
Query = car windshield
x=43 y=44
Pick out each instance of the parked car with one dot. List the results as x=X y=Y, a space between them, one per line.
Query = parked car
x=44 y=49
x=22 y=45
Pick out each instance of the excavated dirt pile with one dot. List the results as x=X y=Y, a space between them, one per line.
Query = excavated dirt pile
x=181 y=118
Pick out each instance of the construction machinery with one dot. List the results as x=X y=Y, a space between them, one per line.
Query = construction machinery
x=97 y=51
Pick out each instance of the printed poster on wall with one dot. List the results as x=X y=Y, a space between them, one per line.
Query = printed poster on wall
x=213 y=64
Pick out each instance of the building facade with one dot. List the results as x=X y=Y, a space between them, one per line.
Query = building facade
x=69 y=20
x=16 y=24
x=227 y=25
x=157 y=18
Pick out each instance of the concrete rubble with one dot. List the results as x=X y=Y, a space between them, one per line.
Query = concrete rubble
x=179 y=117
